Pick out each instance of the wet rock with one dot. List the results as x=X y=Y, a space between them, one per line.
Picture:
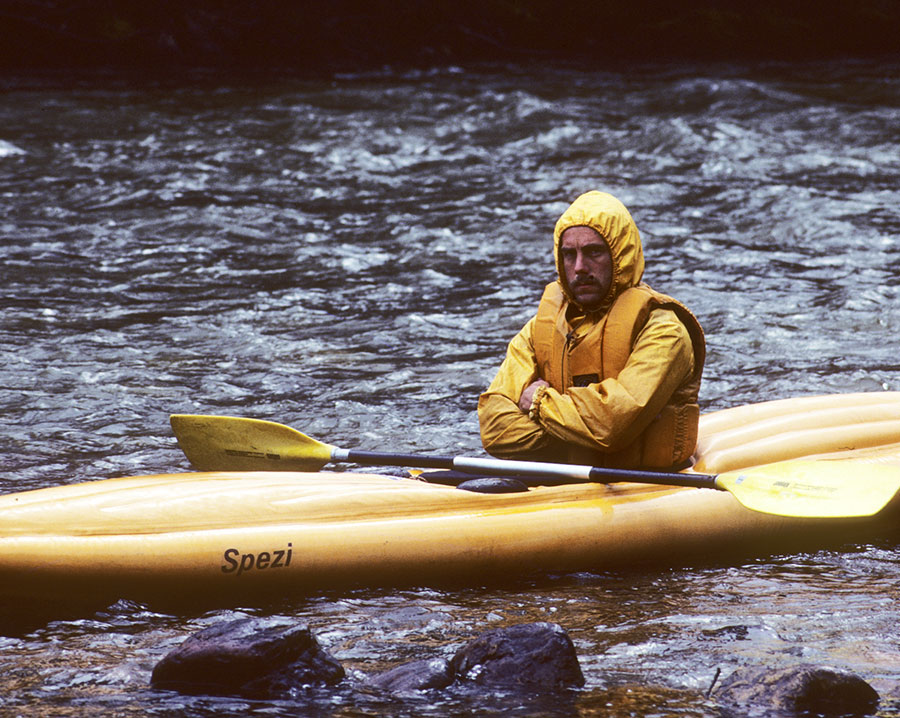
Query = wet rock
x=530 y=655
x=247 y=658
x=737 y=633
x=800 y=689
x=493 y=485
x=415 y=676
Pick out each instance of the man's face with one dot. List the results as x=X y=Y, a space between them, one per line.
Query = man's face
x=587 y=264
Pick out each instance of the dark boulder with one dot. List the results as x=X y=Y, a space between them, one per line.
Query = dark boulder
x=529 y=655
x=800 y=689
x=415 y=676
x=247 y=658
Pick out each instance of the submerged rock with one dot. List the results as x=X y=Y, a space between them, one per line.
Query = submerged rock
x=247 y=658
x=415 y=676
x=530 y=655
x=800 y=689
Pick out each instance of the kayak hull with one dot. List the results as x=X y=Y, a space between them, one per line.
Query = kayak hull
x=324 y=530
x=217 y=535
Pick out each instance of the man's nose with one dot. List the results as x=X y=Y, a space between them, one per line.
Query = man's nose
x=580 y=265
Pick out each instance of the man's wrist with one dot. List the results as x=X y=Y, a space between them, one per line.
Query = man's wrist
x=534 y=411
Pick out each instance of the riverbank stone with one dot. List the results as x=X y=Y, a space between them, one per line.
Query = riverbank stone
x=804 y=690
x=529 y=655
x=247 y=658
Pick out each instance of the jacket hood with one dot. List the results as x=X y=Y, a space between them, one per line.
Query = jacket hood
x=608 y=216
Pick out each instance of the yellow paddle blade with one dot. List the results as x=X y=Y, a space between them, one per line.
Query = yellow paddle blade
x=815 y=489
x=231 y=443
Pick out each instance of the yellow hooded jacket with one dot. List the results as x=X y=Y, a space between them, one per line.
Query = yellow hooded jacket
x=624 y=378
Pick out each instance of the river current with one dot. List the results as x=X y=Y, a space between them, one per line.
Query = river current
x=350 y=255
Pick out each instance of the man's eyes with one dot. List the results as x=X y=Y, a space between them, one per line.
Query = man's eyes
x=591 y=252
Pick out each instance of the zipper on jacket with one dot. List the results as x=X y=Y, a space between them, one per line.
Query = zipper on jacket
x=571 y=341
x=565 y=358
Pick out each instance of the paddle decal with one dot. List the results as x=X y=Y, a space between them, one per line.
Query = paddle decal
x=801 y=488
x=238 y=563
x=252 y=454
x=804 y=488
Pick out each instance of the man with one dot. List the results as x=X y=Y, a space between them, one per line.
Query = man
x=608 y=371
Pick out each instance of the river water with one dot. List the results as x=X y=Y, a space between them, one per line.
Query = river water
x=350 y=255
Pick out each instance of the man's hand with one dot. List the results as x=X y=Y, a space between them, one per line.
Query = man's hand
x=528 y=395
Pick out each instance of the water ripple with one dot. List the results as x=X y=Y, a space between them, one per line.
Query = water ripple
x=351 y=257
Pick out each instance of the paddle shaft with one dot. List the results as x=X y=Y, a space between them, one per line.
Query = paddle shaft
x=537 y=469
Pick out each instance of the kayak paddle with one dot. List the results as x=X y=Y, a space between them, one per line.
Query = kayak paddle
x=800 y=488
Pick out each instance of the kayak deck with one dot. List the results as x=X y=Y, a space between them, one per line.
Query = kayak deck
x=864 y=426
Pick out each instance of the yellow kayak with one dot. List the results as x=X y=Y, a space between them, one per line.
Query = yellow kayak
x=221 y=534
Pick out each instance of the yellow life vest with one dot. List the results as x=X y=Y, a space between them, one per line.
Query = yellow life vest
x=602 y=353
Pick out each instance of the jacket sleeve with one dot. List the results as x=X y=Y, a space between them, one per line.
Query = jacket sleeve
x=506 y=431
x=609 y=415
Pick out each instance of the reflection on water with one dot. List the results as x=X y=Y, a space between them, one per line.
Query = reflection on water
x=351 y=256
